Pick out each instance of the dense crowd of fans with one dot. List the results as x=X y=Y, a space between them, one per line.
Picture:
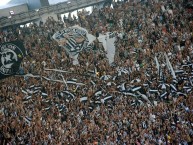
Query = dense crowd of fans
x=139 y=99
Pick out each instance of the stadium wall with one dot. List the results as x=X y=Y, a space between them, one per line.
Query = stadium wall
x=32 y=4
x=17 y=9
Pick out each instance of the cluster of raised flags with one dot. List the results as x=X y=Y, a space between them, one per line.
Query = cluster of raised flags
x=76 y=39
x=33 y=91
x=141 y=92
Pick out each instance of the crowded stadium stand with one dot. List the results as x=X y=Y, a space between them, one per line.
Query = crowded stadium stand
x=118 y=73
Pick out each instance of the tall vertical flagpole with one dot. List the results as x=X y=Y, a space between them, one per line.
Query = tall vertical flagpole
x=170 y=66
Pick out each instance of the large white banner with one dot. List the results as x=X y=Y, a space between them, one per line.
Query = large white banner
x=75 y=39
x=110 y=43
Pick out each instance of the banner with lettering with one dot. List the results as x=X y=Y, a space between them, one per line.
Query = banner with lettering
x=11 y=55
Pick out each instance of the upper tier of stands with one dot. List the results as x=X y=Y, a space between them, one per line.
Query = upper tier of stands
x=59 y=8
